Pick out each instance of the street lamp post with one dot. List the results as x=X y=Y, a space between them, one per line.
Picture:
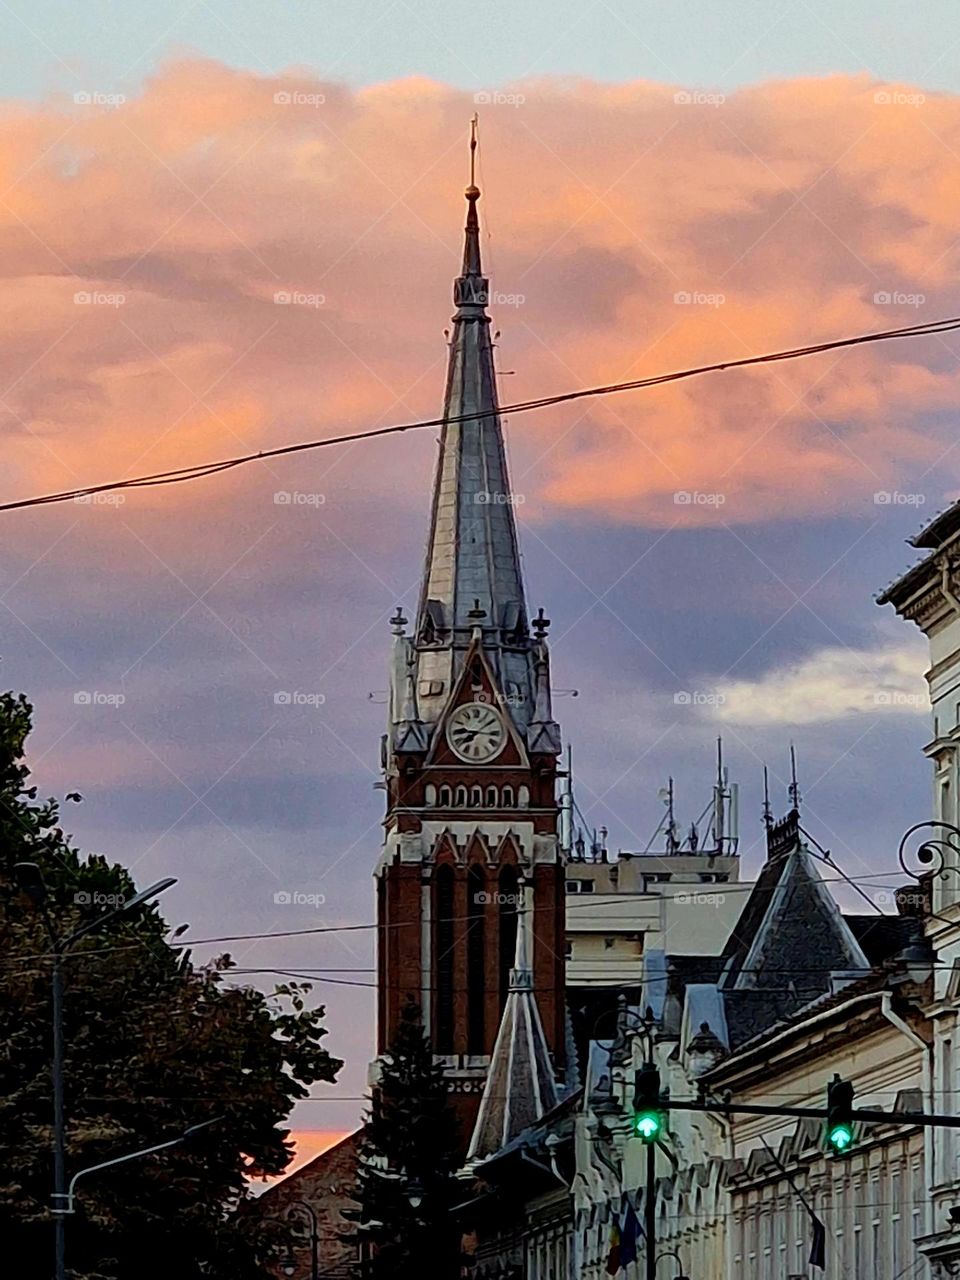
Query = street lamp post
x=303 y=1207
x=30 y=879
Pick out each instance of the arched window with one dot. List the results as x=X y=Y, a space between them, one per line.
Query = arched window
x=446 y=797
x=508 y=797
x=491 y=797
x=476 y=797
x=524 y=800
x=443 y=960
x=508 y=885
x=461 y=797
x=476 y=977
x=430 y=795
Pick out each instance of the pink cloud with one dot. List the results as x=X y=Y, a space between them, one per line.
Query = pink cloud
x=781 y=214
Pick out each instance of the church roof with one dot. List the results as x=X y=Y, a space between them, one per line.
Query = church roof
x=473 y=558
x=521 y=1086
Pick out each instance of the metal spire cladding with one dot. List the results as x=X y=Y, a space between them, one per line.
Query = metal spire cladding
x=472 y=573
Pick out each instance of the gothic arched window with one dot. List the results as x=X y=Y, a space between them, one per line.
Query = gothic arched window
x=508 y=797
x=446 y=797
x=508 y=885
x=491 y=797
x=443 y=960
x=461 y=797
x=476 y=797
x=476 y=954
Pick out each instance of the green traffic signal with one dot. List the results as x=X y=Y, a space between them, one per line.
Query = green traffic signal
x=840 y=1137
x=647 y=1104
x=647 y=1125
x=840 y=1114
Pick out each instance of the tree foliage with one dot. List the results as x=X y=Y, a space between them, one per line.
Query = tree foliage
x=409 y=1148
x=153 y=1044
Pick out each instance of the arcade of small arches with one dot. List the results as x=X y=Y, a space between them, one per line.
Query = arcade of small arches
x=476 y=797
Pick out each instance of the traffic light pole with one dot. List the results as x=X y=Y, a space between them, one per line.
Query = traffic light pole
x=650 y=1212
x=865 y=1115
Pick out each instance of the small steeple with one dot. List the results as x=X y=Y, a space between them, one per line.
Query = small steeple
x=521 y=1085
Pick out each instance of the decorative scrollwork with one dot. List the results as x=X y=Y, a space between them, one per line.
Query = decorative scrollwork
x=925 y=856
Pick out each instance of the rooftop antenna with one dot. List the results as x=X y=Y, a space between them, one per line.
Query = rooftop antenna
x=794 y=789
x=672 y=843
x=719 y=801
x=767 y=811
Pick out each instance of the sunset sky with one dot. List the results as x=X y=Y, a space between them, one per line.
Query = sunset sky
x=227 y=227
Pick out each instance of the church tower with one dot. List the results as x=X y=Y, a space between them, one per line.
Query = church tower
x=471 y=750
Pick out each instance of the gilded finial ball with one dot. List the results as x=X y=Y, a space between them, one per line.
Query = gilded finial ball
x=472 y=192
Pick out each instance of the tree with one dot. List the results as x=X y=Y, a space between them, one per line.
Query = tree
x=153 y=1044
x=408 y=1157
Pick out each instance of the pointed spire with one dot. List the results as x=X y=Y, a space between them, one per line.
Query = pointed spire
x=521 y=1086
x=473 y=556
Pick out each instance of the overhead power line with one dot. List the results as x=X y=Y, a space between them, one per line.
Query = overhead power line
x=197 y=472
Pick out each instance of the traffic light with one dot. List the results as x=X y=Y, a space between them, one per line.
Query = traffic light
x=647 y=1103
x=840 y=1114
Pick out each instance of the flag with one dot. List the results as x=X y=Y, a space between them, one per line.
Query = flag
x=628 y=1237
x=613 y=1257
x=818 y=1246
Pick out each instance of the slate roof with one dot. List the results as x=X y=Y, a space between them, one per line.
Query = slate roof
x=520 y=1087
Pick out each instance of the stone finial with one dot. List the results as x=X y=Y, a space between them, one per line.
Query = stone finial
x=398 y=622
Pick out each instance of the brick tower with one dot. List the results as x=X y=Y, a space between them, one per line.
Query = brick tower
x=470 y=755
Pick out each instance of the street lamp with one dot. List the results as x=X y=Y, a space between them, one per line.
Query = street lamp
x=672 y=1253
x=30 y=879
x=302 y=1206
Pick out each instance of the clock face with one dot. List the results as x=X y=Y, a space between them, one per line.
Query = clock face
x=476 y=732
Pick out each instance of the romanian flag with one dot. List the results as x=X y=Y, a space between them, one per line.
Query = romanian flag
x=613 y=1257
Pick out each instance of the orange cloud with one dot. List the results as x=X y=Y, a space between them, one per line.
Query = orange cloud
x=229 y=262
